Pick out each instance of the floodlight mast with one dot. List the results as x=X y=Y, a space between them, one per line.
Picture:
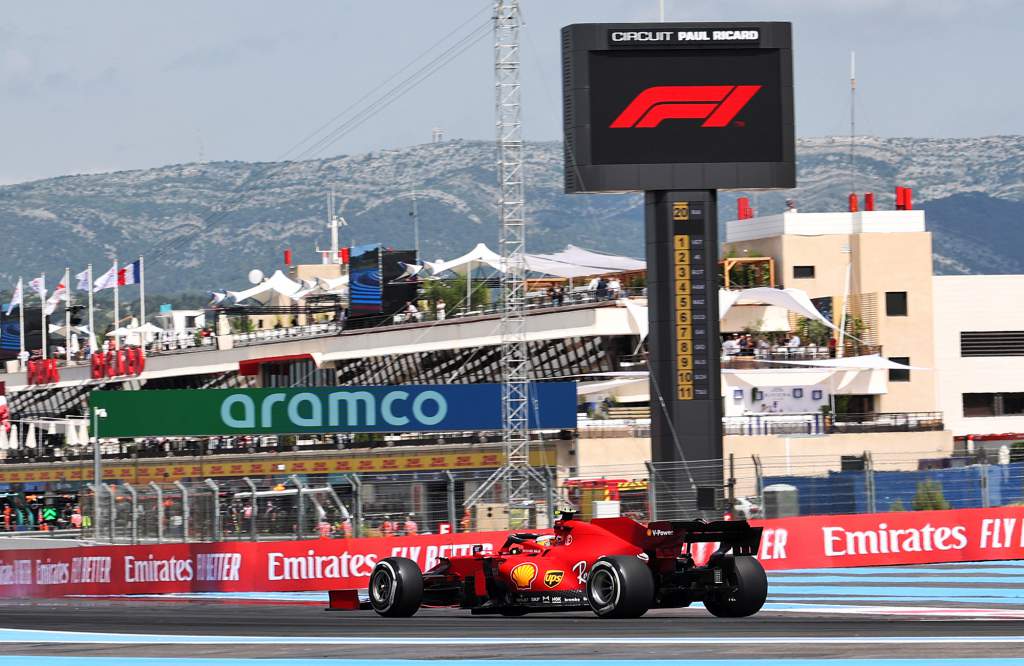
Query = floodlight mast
x=516 y=473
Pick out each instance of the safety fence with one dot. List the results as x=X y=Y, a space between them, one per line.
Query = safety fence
x=304 y=506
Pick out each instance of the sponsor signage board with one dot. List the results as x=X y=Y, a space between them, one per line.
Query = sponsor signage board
x=811 y=542
x=666 y=106
x=143 y=470
x=413 y=408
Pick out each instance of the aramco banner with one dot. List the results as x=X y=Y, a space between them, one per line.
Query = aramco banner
x=811 y=542
x=419 y=408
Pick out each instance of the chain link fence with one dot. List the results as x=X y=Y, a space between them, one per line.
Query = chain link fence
x=403 y=503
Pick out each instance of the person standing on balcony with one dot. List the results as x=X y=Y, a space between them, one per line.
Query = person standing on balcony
x=439 y=307
x=832 y=347
x=614 y=288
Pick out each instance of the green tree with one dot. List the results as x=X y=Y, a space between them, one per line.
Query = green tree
x=813 y=332
x=929 y=496
x=897 y=505
x=453 y=292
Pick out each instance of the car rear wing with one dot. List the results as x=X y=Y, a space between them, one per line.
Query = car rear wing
x=735 y=535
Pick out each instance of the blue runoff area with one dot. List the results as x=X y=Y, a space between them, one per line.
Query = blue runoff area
x=145 y=661
x=846 y=492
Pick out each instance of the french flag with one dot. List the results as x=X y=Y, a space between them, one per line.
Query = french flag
x=130 y=274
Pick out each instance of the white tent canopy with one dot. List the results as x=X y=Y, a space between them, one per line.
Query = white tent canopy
x=277 y=283
x=794 y=300
x=481 y=254
x=570 y=263
x=608 y=263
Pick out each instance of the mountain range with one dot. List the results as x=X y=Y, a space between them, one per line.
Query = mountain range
x=203 y=226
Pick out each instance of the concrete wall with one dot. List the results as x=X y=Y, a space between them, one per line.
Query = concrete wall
x=624 y=457
x=976 y=303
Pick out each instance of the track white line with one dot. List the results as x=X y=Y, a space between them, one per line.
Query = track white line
x=32 y=636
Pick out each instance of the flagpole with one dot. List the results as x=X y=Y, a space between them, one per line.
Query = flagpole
x=21 y=314
x=67 y=315
x=142 y=303
x=42 y=312
x=117 y=315
x=92 y=326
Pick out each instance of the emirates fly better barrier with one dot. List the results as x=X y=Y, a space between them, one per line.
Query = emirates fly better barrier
x=788 y=543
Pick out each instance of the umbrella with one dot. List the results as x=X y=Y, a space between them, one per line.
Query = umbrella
x=83 y=433
x=13 y=441
x=52 y=428
x=4 y=442
x=71 y=438
x=30 y=436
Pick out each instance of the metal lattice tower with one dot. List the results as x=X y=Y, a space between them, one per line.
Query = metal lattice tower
x=516 y=473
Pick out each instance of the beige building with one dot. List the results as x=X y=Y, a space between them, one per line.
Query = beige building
x=876 y=267
x=979 y=350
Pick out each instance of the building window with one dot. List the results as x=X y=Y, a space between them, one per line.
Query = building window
x=993 y=404
x=803 y=272
x=991 y=343
x=899 y=375
x=896 y=303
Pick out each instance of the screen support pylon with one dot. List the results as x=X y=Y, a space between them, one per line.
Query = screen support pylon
x=684 y=343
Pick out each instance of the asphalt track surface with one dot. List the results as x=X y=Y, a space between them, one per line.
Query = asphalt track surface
x=202 y=629
x=970 y=613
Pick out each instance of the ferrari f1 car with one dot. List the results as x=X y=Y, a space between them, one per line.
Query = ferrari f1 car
x=614 y=566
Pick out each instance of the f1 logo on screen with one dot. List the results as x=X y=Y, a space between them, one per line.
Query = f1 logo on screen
x=717 y=106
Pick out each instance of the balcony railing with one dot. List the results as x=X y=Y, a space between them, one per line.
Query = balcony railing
x=824 y=424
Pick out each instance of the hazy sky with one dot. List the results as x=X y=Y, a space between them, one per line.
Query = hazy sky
x=99 y=86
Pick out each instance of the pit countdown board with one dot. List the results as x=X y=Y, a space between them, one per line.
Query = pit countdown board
x=679 y=110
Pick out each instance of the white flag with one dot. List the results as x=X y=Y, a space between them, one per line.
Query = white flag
x=106 y=281
x=38 y=285
x=17 y=298
x=59 y=294
x=83 y=280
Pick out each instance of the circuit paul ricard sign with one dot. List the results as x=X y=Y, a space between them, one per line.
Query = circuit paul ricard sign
x=420 y=408
x=679 y=111
x=667 y=106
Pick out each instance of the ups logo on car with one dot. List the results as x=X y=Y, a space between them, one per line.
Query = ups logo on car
x=553 y=578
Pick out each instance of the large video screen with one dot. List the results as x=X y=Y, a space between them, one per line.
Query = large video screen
x=675 y=106
x=10 y=332
x=399 y=290
x=365 y=284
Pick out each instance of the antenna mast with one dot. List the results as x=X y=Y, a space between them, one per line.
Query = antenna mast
x=516 y=473
x=853 y=125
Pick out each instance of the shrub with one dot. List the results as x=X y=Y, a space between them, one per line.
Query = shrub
x=929 y=496
x=897 y=506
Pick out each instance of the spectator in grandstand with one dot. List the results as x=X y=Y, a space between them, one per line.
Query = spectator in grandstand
x=601 y=292
x=412 y=313
x=410 y=528
x=439 y=307
x=387 y=528
x=614 y=288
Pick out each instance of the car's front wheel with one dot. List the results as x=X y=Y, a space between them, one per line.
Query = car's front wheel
x=751 y=590
x=396 y=587
x=620 y=586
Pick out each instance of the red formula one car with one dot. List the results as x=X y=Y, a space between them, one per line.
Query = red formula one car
x=614 y=566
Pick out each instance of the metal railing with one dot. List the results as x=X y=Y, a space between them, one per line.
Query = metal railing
x=353 y=505
x=825 y=424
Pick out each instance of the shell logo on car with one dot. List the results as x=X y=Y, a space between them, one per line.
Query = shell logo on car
x=523 y=575
x=553 y=578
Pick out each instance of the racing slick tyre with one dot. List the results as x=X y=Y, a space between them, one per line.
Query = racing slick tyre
x=620 y=586
x=396 y=587
x=751 y=590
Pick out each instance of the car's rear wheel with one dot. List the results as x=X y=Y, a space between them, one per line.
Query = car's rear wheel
x=396 y=587
x=751 y=590
x=620 y=586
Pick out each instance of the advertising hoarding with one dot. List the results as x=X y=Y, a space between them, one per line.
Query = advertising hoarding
x=410 y=408
x=811 y=542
